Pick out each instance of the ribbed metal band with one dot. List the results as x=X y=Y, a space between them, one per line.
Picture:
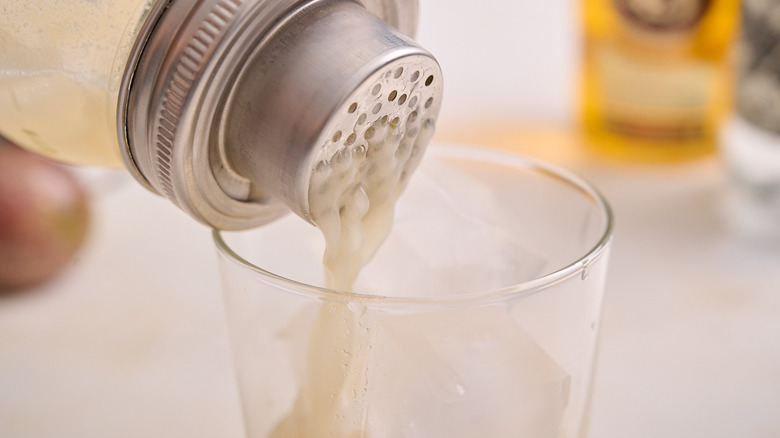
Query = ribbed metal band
x=180 y=70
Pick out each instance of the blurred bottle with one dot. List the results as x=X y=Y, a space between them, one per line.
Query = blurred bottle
x=751 y=137
x=656 y=76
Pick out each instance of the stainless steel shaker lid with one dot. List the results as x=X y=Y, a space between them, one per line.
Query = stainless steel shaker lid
x=226 y=104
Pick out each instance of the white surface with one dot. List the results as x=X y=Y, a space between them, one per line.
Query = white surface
x=516 y=57
x=130 y=340
x=691 y=323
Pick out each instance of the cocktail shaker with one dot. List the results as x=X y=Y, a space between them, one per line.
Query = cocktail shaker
x=222 y=106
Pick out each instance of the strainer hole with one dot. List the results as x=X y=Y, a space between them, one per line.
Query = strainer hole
x=369 y=134
x=360 y=151
x=336 y=136
x=362 y=119
x=377 y=88
x=429 y=81
x=383 y=120
x=377 y=108
x=351 y=139
x=412 y=101
x=398 y=72
x=392 y=95
x=352 y=108
x=395 y=122
x=428 y=102
x=415 y=76
x=402 y=99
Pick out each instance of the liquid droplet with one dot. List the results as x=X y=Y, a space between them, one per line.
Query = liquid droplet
x=357 y=308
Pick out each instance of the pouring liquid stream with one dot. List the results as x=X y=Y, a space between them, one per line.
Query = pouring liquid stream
x=352 y=197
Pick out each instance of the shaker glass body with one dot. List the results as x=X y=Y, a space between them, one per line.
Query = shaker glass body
x=61 y=65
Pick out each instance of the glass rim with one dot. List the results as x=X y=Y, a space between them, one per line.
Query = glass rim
x=527 y=287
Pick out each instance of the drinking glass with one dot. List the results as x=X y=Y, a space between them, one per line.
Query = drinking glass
x=478 y=317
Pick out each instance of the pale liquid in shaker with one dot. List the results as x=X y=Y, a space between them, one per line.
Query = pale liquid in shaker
x=352 y=198
x=61 y=63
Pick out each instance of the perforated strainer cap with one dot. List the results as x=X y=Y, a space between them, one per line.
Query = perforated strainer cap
x=228 y=105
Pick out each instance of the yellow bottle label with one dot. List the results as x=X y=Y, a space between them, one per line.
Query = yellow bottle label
x=656 y=75
x=654 y=100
